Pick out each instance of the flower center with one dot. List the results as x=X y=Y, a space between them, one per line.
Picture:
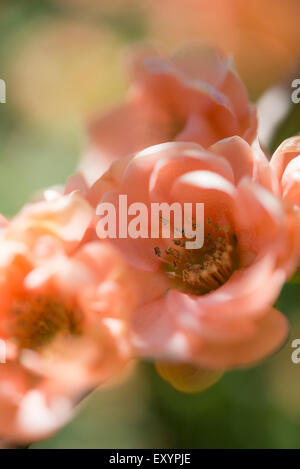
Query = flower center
x=39 y=320
x=199 y=271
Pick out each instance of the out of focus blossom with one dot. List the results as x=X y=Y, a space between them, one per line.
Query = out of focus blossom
x=60 y=70
x=286 y=165
x=216 y=310
x=64 y=310
x=194 y=96
x=262 y=35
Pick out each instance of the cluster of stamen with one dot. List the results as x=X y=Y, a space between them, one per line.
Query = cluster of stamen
x=36 y=321
x=201 y=270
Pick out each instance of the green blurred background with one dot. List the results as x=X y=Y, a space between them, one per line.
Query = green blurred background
x=62 y=60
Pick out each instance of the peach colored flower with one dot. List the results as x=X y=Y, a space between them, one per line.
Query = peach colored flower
x=262 y=35
x=64 y=309
x=216 y=308
x=286 y=165
x=193 y=96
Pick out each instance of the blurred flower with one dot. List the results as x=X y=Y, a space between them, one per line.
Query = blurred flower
x=194 y=96
x=263 y=35
x=60 y=70
x=286 y=164
x=64 y=309
x=216 y=310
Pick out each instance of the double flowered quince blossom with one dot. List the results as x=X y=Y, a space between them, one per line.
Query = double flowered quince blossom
x=64 y=311
x=216 y=309
x=286 y=165
x=194 y=96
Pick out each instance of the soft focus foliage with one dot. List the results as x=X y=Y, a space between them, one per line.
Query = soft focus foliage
x=75 y=68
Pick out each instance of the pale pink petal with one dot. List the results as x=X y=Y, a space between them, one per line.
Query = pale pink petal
x=291 y=182
x=288 y=150
x=76 y=182
x=67 y=217
x=271 y=332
